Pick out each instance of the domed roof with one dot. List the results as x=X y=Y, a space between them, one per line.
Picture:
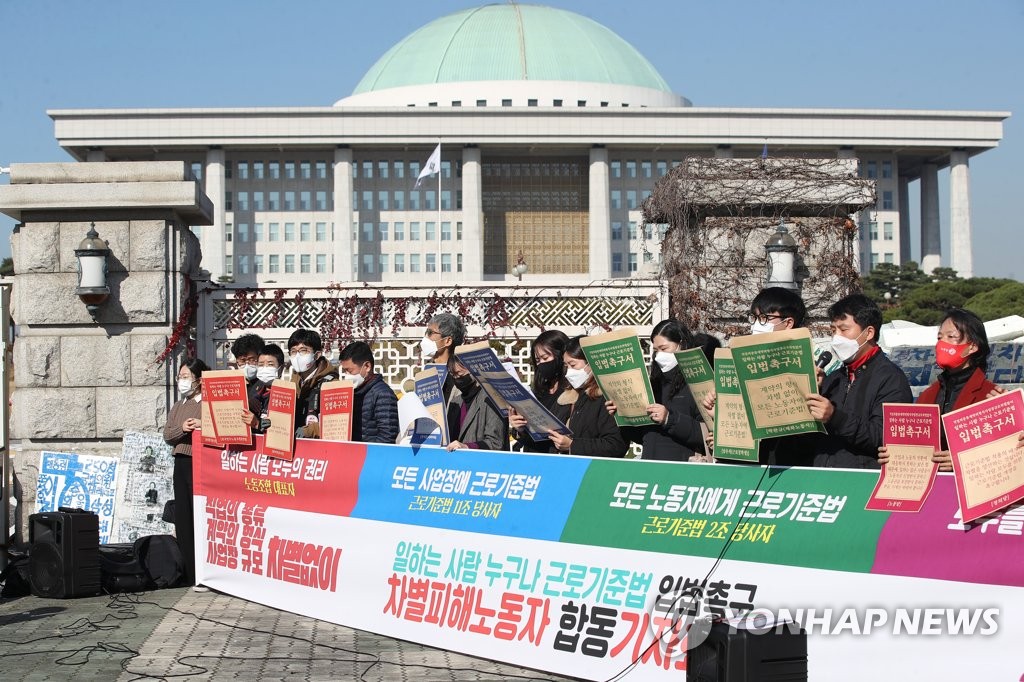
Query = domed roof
x=511 y=42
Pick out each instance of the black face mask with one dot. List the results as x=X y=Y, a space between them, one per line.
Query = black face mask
x=464 y=383
x=548 y=372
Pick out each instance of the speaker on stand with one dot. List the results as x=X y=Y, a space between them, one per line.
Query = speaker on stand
x=64 y=558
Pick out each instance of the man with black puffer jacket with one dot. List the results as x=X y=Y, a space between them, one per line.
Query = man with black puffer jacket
x=375 y=408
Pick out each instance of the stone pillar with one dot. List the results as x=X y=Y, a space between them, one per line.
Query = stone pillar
x=472 y=216
x=960 y=248
x=904 y=206
x=600 y=216
x=213 y=237
x=343 y=215
x=931 y=237
x=80 y=383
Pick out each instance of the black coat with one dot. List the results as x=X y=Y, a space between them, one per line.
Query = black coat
x=680 y=436
x=855 y=429
x=559 y=409
x=595 y=433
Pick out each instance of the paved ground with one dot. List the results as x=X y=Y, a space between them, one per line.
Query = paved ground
x=183 y=635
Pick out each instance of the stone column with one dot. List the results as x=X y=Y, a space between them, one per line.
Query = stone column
x=960 y=248
x=600 y=216
x=343 y=215
x=80 y=383
x=472 y=215
x=904 y=206
x=931 y=237
x=213 y=237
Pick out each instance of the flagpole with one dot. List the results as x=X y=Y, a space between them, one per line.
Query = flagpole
x=440 y=275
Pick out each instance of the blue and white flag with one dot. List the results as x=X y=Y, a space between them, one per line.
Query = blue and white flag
x=433 y=165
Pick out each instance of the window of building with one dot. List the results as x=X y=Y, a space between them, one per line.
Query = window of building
x=289 y=201
x=446 y=232
x=430 y=200
x=414 y=200
x=321 y=170
x=257 y=264
x=289 y=232
x=243 y=201
x=257 y=201
x=631 y=169
x=458 y=262
x=616 y=230
x=616 y=169
x=414 y=262
x=556 y=103
x=272 y=232
x=446 y=262
x=368 y=263
x=414 y=232
x=646 y=168
x=632 y=230
x=430 y=233
x=305 y=263
x=243 y=170
x=229 y=170
x=321 y=201
x=431 y=262
x=887 y=231
x=382 y=230
x=398 y=197
x=887 y=169
x=289 y=170
x=631 y=199
x=888 y=258
x=274 y=201
x=399 y=231
x=446 y=169
x=504 y=103
x=874 y=260
x=382 y=200
x=873 y=230
x=274 y=263
x=871 y=169
x=632 y=262
x=382 y=262
x=616 y=200
x=414 y=169
x=243 y=232
x=229 y=267
x=289 y=263
x=228 y=202
x=887 y=200
x=367 y=204
x=399 y=168
x=321 y=263
x=458 y=200
x=446 y=200
x=197 y=171
x=305 y=200
x=383 y=167
x=257 y=232
x=399 y=262
x=479 y=103
x=531 y=102
x=257 y=170
x=662 y=168
x=274 y=170
x=367 y=232
x=616 y=262
x=321 y=232
x=456 y=102
x=305 y=234
x=458 y=231
x=229 y=232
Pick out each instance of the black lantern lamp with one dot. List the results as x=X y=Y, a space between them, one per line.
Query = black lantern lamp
x=92 y=271
x=781 y=249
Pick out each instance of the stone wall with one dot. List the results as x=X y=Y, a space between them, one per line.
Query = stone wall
x=80 y=383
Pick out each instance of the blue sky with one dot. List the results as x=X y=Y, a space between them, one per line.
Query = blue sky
x=910 y=54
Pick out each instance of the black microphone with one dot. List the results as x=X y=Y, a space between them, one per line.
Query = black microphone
x=823 y=360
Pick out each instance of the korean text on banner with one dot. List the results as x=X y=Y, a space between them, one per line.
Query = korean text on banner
x=696 y=369
x=336 y=400
x=617 y=362
x=776 y=374
x=733 y=439
x=911 y=433
x=988 y=465
x=228 y=399
x=483 y=363
x=431 y=393
x=280 y=441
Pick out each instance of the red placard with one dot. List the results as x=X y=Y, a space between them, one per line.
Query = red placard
x=280 y=440
x=336 y=400
x=226 y=398
x=987 y=464
x=912 y=433
x=207 y=428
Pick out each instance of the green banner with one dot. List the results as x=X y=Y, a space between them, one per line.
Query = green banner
x=733 y=439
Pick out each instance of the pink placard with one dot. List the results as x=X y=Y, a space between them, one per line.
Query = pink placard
x=911 y=433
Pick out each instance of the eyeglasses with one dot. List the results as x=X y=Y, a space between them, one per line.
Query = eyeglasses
x=431 y=332
x=762 y=319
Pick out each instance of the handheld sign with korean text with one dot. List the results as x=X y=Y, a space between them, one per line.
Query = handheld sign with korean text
x=617 y=362
x=696 y=369
x=430 y=392
x=280 y=441
x=482 y=361
x=206 y=427
x=336 y=402
x=733 y=439
x=227 y=399
x=911 y=433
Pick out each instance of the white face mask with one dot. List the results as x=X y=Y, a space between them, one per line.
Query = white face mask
x=428 y=348
x=302 y=361
x=666 y=361
x=267 y=374
x=845 y=348
x=184 y=386
x=357 y=379
x=758 y=328
x=250 y=372
x=576 y=377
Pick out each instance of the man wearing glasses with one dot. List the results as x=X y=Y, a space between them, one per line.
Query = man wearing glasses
x=444 y=333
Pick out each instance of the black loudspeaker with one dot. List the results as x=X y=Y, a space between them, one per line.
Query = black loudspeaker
x=64 y=558
x=738 y=654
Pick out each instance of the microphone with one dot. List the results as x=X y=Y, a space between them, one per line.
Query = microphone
x=823 y=360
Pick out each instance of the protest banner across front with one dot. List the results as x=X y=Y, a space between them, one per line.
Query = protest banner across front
x=911 y=433
x=617 y=361
x=733 y=439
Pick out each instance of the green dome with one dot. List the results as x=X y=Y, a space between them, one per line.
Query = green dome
x=511 y=42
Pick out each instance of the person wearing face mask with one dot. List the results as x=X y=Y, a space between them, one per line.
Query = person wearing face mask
x=473 y=420
x=269 y=365
x=443 y=334
x=310 y=370
x=184 y=417
x=849 y=400
x=246 y=349
x=548 y=385
x=675 y=435
x=375 y=405
x=594 y=431
x=961 y=352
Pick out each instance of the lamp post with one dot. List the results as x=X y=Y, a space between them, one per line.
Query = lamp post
x=520 y=268
x=92 y=271
x=781 y=250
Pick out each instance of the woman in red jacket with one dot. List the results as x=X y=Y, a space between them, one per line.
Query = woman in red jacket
x=961 y=352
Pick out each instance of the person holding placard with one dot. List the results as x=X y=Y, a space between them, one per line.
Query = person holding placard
x=676 y=435
x=184 y=418
x=473 y=421
x=961 y=352
x=594 y=431
x=375 y=406
x=310 y=370
x=548 y=385
x=849 y=400
x=444 y=332
x=269 y=365
x=246 y=350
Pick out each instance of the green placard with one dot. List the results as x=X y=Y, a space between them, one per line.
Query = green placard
x=617 y=361
x=733 y=439
x=696 y=369
x=776 y=374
